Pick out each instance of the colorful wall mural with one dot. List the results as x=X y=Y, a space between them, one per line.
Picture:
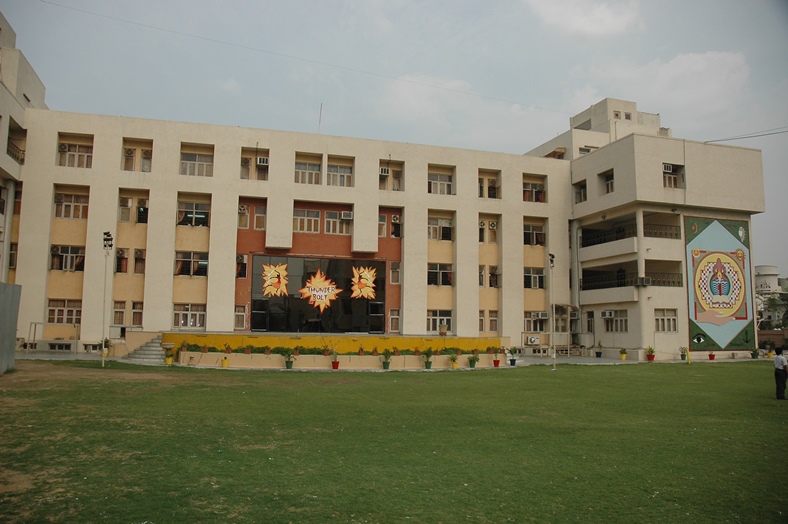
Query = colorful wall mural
x=719 y=286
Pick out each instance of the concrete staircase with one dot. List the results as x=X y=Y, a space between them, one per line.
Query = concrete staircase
x=148 y=354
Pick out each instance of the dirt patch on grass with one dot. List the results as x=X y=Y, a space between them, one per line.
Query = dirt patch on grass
x=32 y=374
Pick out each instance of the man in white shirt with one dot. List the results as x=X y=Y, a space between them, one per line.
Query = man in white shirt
x=780 y=373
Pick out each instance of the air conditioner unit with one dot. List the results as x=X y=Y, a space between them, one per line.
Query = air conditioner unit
x=384 y=171
x=245 y=162
x=62 y=148
x=242 y=209
x=262 y=161
x=540 y=187
x=643 y=281
x=534 y=341
x=55 y=250
x=397 y=174
x=574 y=315
x=542 y=315
x=142 y=202
x=482 y=223
x=667 y=168
x=395 y=219
x=58 y=198
x=120 y=252
x=130 y=152
x=147 y=154
x=125 y=202
x=608 y=314
x=139 y=253
x=346 y=215
x=240 y=259
x=493 y=225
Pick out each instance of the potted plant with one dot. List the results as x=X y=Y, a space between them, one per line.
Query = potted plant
x=473 y=359
x=512 y=356
x=361 y=350
x=428 y=358
x=168 y=357
x=334 y=359
x=683 y=353
x=287 y=353
x=599 y=349
x=496 y=361
x=453 y=358
x=248 y=349
x=712 y=355
x=386 y=358
x=623 y=353
x=755 y=353
x=650 y=354
x=227 y=348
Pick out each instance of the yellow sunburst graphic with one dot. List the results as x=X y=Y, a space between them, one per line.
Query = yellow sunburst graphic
x=320 y=291
x=274 y=280
x=363 y=282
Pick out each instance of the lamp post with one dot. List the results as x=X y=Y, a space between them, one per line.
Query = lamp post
x=552 y=309
x=107 y=250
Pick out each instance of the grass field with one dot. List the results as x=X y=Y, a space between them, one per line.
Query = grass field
x=631 y=443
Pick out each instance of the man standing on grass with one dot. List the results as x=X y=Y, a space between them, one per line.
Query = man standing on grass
x=780 y=373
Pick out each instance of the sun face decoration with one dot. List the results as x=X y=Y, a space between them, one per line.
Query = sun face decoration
x=274 y=280
x=320 y=291
x=363 y=282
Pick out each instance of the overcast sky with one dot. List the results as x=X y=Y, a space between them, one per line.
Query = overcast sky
x=496 y=75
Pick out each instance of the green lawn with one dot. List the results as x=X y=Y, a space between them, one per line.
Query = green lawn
x=628 y=443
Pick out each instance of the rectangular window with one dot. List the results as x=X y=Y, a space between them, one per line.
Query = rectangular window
x=64 y=311
x=339 y=175
x=142 y=210
x=381 y=226
x=395 y=273
x=495 y=280
x=581 y=192
x=67 y=258
x=307 y=173
x=439 y=184
x=492 y=236
x=75 y=155
x=71 y=206
x=335 y=225
x=437 y=318
x=481 y=188
x=535 y=322
x=394 y=320
x=482 y=280
x=618 y=323
x=439 y=229
x=666 y=320
x=124 y=209
x=533 y=192
x=136 y=313
x=306 y=221
x=533 y=278
x=481 y=321
x=139 y=261
x=241 y=263
x=192 y=264
x=493 y=322
x=439 y=275
x=609 y=181
x=12 y=256
x=259 y=218
x=194 y=214
x=240 y=317
x=590 y=321
x=482 y=229
x=121 y=260
x=243 y=217
x=533 y=235
x=119 y=313
x=195 y=164
x=188 y=316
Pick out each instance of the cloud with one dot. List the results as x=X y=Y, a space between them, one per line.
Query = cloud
x=588 y=17
x=231 y=85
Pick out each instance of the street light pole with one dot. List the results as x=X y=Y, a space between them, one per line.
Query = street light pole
x=552 y=310
x=107 y=250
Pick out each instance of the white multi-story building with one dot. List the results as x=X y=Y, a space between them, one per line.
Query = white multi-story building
x=613 y=232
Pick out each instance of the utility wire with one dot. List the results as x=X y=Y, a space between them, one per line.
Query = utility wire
x=767 y=132
x=302 y=59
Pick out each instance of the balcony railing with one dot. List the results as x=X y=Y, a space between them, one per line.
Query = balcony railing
x=630 y=278
x=16 y=153
x=662 y=231
x=593 y=238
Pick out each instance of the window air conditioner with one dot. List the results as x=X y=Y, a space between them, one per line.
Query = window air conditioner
x=129 y=152
x=142 y=202
x=62 y=148
x=147 y=154
x=55 y=250
x=346 y=215
x=241 y=210
x=245 y=162
x=667 y=168
x=643 y=281
x=240 y=259
x=608 y=314
x=58 y=198
x=120 y=252
x=493 y=225
x=262 y=161
x=384 y=171
x=139 y=253
x=395 y=219
x=482 y=224
x=574 y=315
x=542 y=315
x=534 y=341
x=125 y=202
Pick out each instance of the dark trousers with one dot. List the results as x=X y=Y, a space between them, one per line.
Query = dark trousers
x=780 y=376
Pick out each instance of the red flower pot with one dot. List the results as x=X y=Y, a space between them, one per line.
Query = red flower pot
x=650 y=357
x=496 y=363
x=334 y=364
x=711 y=356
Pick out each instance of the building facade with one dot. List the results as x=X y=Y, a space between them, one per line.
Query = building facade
x=121 y=227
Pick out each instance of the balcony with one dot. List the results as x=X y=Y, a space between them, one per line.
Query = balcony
x=596 y=237
x=16 y=153
x=630 y=278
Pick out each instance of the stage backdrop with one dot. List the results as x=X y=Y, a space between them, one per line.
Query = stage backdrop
x=719 y=286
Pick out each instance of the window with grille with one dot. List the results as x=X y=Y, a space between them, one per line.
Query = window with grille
x=334 y=225
x=241 y=266
x=64 y=311
x=139 y=261
x=381 y=226
x=195 y=164
x=439 y=275
x=438 y=317
x=394 y=320
x=495 y=280
x=481 y=321
x=243 y=219
x=666 y=320
x=534 y=324
x=121 y=260
x=12 y=256
x=533 y=192
x=619 y=323
x=136 y=313
x=259 y=218
x=71 y=206
x=188 y=316
x=395 y=272
x=482 y=280
x=119 y=313
x=533 y=235
x=581 y=192
x=75 y=155
x=493 y=322
x=194 y=214
x=609 y=180
x=190 y=263
x=439 y=229
x=339 y=175
x=306 y=221
x=142 y=211
x=307 y=173
x=440 y=184
x=533 y=278
x=240 y=317
x=124 y=209
x=67 y=258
